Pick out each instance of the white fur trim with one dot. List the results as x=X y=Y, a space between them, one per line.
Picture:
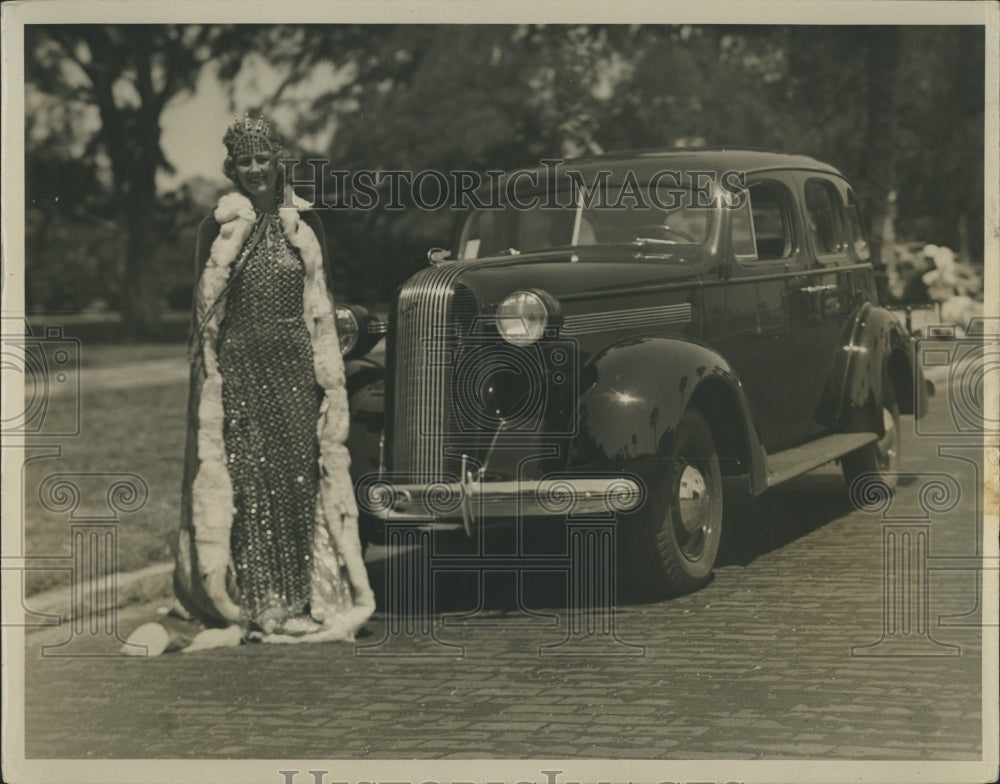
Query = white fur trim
x=234 y=205
x=228 y=637
x=150 y=639
x=212 y=506
x=335 y=495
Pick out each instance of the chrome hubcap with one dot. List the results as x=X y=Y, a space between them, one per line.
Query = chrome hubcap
x=694 y=512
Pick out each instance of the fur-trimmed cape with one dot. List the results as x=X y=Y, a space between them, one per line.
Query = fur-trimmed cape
x=203 y=579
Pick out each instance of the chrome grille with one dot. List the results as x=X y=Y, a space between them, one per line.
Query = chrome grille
x=418 y=398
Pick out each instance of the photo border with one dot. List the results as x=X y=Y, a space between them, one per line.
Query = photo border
x=847 y=12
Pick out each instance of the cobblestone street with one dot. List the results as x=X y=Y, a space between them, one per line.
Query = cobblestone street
x=758 y=665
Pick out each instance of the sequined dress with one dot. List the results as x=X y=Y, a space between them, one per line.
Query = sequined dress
x=271 y=404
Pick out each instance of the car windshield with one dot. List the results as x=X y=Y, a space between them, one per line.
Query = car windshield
x=667 y=217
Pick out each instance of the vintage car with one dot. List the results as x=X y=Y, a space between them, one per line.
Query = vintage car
x=623 y=337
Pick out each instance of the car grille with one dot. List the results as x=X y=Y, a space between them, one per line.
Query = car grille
x=422 y=337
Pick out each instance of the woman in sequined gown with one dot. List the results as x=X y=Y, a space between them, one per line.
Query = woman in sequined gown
x=268 y=547
x=271 y=405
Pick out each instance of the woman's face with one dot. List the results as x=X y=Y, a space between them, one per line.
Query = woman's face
x=257 y=172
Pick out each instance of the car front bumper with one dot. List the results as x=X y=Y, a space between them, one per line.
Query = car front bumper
x=474 y=500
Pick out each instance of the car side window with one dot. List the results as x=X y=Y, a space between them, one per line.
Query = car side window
x=762 y=227
x=858 y=236
x=825 y=218
x=741 y=232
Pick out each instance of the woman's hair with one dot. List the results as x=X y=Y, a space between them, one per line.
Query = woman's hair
x=247 y=137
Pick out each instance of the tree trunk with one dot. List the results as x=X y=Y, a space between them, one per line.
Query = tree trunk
x=143 y=307
x=881 y=56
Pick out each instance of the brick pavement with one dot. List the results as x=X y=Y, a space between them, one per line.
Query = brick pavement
x=755 y=666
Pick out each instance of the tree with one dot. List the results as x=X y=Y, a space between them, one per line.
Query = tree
x=940 y=135
x=481 y=97
x=443 y=98
x=896 y=108
x=114 y=81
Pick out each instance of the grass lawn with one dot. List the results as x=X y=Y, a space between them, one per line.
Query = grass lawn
x=98 y=355
x=138 y=430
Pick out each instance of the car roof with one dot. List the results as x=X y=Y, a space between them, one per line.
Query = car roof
x=645 y=163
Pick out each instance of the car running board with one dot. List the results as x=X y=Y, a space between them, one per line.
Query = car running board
x=782 y=466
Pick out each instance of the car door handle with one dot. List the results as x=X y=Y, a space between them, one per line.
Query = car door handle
x=818 y=289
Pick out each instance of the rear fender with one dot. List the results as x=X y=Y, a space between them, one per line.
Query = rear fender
x=635 y=394
x=877 y=351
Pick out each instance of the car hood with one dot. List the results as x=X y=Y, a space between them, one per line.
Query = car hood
x=571 y=272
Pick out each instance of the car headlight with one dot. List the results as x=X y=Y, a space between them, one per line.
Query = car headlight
x=347 y=328
x=522 y=317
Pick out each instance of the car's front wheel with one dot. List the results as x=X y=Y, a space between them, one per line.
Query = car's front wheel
x=670 y=546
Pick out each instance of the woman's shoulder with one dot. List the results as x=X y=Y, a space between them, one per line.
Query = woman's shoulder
x=228 y=206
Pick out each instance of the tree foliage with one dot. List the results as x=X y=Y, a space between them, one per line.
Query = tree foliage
x=97 y=95
x=898 y=109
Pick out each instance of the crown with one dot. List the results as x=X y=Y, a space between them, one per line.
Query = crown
x=249 y=136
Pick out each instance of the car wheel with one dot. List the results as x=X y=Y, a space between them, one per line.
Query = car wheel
x=671 y=545
x=880 y=457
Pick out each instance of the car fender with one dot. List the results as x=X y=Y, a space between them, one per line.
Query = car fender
x=635 y=393
x=366 y=397
x=876 y=349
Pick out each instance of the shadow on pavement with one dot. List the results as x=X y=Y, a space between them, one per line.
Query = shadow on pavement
x=468 y=577
x=756 y=526
x=471 y=576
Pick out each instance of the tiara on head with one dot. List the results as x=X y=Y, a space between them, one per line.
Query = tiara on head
x=249 y=136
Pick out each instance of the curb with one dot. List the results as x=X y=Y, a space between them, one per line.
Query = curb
x=142 y=585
